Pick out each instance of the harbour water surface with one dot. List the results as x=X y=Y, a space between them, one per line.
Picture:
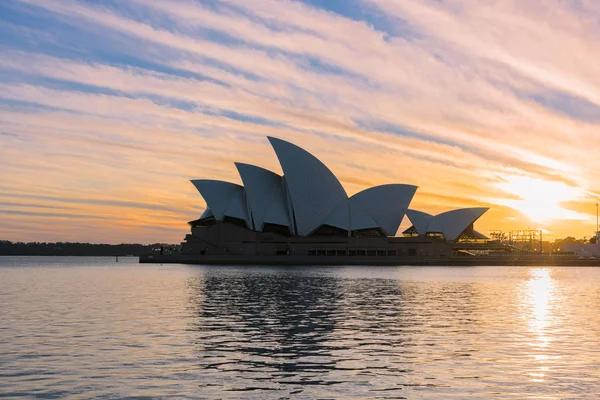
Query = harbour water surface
x=90 y=327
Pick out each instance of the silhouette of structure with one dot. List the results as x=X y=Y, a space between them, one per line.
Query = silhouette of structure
x=306 y=214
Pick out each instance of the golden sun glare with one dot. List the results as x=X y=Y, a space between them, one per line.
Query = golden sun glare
x=540 y=200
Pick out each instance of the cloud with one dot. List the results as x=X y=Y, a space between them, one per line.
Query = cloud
x=47 y=214
x=454 y=96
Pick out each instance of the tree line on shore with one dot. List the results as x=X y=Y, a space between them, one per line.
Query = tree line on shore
x=8 y=248
x=559 y=243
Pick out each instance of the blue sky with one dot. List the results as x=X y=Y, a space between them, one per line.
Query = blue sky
x=108 y=108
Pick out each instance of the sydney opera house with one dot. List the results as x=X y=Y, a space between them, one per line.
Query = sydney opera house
x=306 y=216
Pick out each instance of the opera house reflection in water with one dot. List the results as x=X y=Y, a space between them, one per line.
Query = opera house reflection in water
x=280 y=327
x=264 y=324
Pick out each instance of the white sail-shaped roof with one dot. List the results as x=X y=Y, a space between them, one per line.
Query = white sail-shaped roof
x=360 y=219
x=217 y=194
x=339 y=217
x=455 y=222
x=277 y=213
x=385 y=204
x=288 y=204
x=308 y=196
x=478 y=235
x=265 y=196
x=313 y=189
x=206 y=214
x=420 y=220
x=435 y=227
x=350 y=216
x=223 y=198
x=451 y=223
x=237 y=207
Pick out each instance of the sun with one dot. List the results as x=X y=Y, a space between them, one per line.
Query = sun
x=540 y=200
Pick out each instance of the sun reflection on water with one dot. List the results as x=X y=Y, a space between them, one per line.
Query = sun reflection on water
x=540 y=294
x=538 y=303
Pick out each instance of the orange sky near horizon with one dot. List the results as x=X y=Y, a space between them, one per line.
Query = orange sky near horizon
x=108 y=109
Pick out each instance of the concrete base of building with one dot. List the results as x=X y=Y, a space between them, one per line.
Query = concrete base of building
x=280 y=260
x=300 y=260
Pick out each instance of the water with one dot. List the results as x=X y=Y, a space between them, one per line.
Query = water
x=90 y=327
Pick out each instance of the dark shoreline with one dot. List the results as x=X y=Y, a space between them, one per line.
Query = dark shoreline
x=8 y=248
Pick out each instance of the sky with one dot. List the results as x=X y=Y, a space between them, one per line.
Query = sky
x=109 y=108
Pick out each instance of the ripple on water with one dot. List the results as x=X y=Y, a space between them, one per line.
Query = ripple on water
x=90 y=328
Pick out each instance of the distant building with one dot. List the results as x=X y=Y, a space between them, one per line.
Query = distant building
x=308 y=212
